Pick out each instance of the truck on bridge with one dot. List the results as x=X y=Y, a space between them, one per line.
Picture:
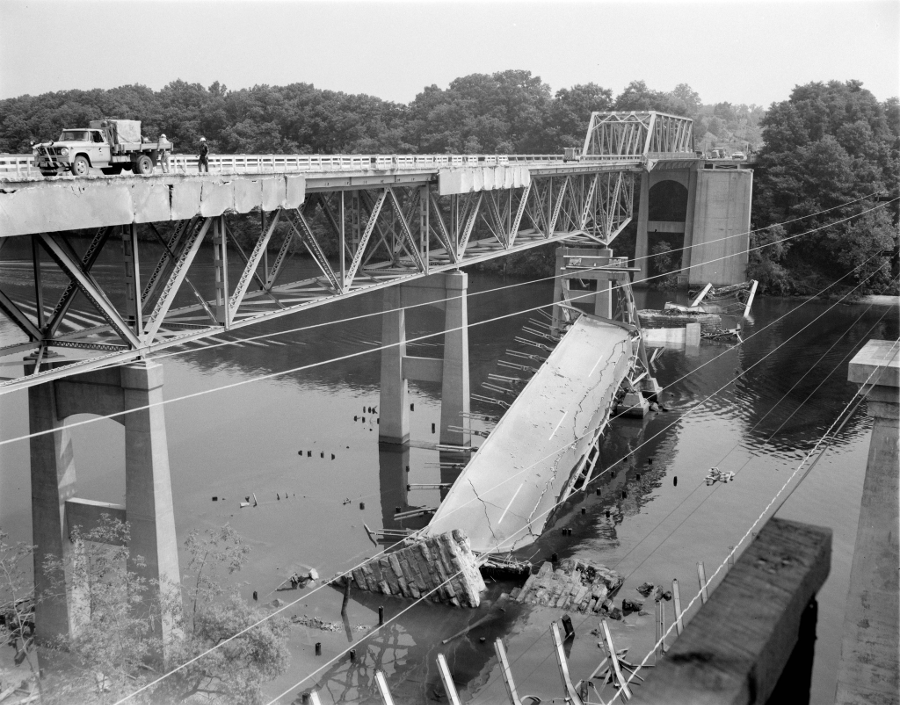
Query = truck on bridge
x=109 y=145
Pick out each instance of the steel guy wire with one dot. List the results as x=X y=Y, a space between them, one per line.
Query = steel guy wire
x=517 y=284
x=681 y=416
x=376 y=349
x=202 y=392
x=346 y=574
x=847 y=412
x=525 y=469
x=526 y=283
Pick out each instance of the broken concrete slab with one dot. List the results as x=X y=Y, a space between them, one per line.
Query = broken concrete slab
x=441 y=567
x=574 y=586
x=505 y=494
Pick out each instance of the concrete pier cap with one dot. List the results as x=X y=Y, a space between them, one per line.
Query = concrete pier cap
x=869 y=670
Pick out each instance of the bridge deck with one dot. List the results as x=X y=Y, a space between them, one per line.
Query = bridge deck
x=505 y=494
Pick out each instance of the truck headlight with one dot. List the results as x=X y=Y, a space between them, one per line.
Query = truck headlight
x=64 y=151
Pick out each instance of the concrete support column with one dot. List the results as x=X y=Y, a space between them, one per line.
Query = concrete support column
x=604 y=298
x=558 y=283
x=455 y=377
x=148 y=488
x=394 y=418
x=641 y=245
x=869 y=671
x=683 y=275
x=52 y=483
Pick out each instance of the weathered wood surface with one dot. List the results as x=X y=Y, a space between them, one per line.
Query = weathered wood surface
x=735 y=648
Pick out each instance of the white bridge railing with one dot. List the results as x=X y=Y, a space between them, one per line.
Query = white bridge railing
x=21 y=165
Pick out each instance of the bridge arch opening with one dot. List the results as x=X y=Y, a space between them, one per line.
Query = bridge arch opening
x=668 y=201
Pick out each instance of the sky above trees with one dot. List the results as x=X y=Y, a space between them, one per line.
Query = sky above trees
x=738 y=51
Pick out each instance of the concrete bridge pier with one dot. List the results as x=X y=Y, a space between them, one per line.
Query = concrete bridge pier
x=568 y=262
x=56 y=510
x=869 y=671
x=447 y=291
x=709 y=209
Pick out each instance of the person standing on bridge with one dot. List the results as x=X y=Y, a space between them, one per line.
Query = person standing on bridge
x=203 y=163
x=163 y=154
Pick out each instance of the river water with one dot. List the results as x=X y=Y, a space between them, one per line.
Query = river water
x=754 y=409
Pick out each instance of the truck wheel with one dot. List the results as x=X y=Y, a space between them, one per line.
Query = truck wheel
x=143 y=165
x=111 y=170
x=81 y=166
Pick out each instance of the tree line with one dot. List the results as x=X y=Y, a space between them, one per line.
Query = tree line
x=827 y=145
x=504 y=112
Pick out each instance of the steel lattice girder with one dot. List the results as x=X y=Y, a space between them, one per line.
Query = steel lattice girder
x=403 y=232
x=637 y=134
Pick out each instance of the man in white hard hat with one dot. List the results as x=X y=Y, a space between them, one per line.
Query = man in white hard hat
x=163 y=147
x=202 y=162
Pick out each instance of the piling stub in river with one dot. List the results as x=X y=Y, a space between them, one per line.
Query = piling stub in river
x=442 y=567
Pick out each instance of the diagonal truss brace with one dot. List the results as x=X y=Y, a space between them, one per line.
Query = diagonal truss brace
x=517 y=221
x=17 y=316
x=405 y=230
x=179 y=272
x=364 y=240
x=87 y=262
x=441 y=231
x=250 y=267
x=90 y=289
x=306 y=236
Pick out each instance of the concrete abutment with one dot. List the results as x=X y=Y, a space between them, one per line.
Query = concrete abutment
x=715 y=229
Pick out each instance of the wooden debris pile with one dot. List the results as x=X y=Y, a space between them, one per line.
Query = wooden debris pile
x=441 y=566
x=574 y=586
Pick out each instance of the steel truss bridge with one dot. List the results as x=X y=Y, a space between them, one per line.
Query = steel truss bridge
x=367 y=222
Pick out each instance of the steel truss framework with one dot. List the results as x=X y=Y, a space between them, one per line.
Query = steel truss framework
x=360 y=240
x=637 y=134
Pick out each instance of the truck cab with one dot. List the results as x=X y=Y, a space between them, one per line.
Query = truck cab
x=76 y=150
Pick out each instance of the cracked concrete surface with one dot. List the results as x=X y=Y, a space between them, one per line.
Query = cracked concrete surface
x=504 y=496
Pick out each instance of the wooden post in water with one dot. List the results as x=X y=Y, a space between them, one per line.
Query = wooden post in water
x=704 y=588
x=383 y=690
x=506 y=673
x=449 y=685
x=737 y=645
x=679 y=623
x=869 y=671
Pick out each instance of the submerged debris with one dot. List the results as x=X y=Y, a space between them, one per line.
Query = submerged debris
x=715 y=475
x=574 y=585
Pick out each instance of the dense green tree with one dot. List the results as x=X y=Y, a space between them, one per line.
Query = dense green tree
x=115 y=649
x=831 y=156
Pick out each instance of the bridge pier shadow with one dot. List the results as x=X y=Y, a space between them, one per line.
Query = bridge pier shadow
x=137 y=389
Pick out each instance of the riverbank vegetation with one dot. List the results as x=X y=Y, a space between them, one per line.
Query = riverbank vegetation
x=830 y=147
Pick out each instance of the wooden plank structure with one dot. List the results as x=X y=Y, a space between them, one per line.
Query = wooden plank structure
x=735 y=648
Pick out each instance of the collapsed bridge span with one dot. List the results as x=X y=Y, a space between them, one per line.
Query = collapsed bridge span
x=504 y=496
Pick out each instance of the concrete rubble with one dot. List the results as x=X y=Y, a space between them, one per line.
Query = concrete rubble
x=574 y=586
x=442 y=567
